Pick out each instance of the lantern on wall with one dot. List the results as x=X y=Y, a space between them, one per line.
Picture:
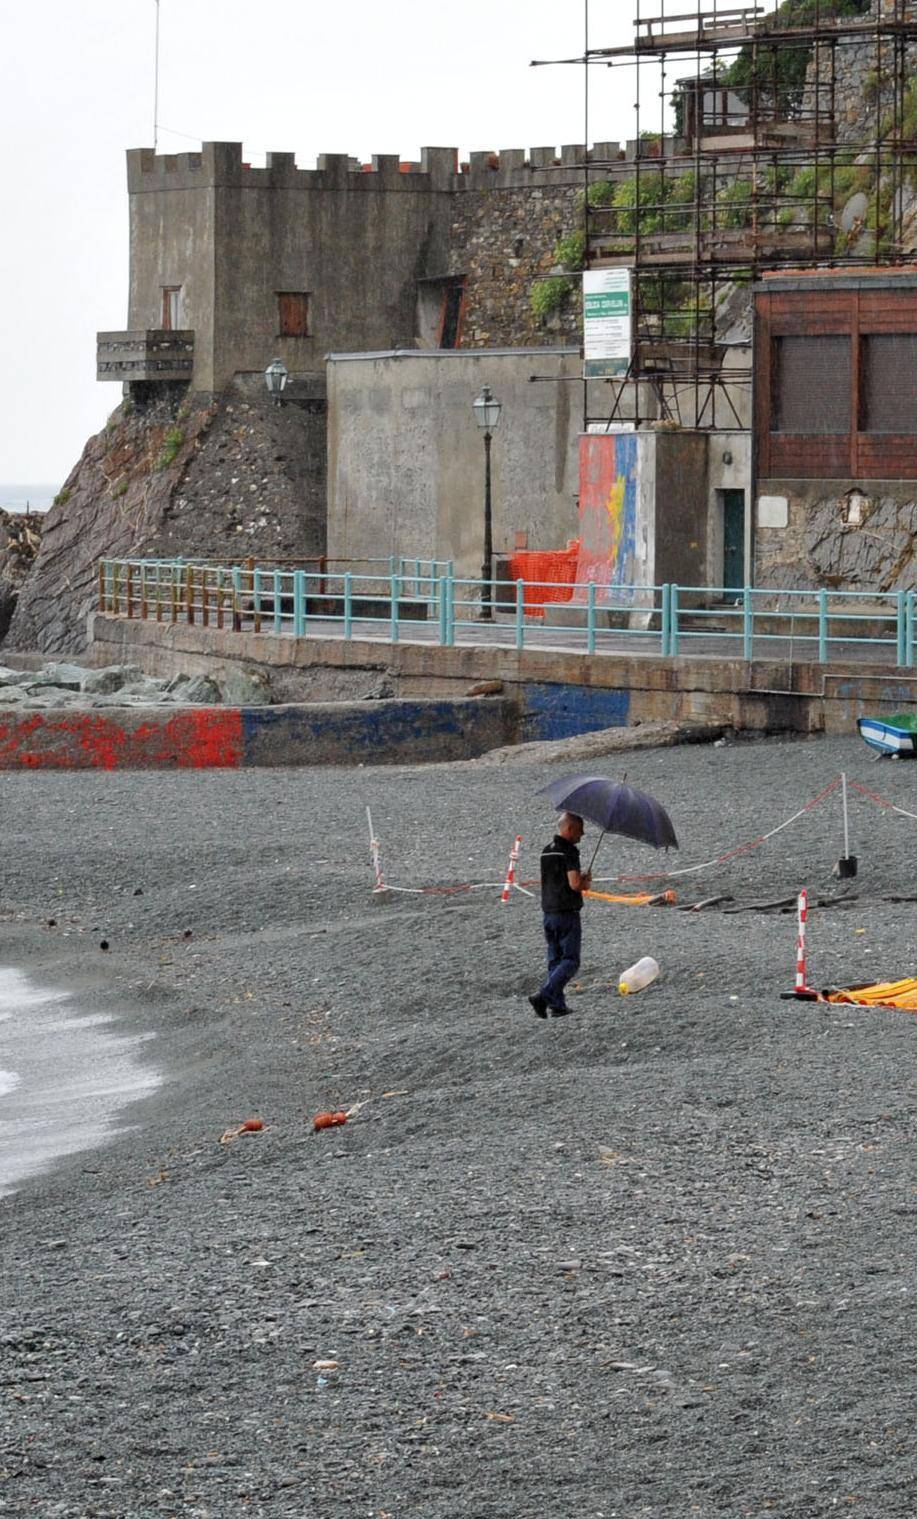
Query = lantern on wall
x=275 y=378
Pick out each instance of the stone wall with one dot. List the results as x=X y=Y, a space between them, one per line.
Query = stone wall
x=874 y=551
x=204 y=738
x=861 y=76
x=502 y=242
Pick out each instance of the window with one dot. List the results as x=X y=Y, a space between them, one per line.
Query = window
x=811 y=386
x=293 y=308
x=171 y=308
x=888 y=383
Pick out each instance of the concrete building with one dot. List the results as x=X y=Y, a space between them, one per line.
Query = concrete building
x=405 y=466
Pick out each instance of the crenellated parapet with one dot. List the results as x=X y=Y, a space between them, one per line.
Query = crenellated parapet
x=221 y=164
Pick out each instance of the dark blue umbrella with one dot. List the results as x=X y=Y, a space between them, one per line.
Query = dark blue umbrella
x=614 y=807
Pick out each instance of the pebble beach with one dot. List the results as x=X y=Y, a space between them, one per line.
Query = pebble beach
x=651 y=1261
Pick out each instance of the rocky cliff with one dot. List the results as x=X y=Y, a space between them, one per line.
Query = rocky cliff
x=216 y=479
x=20 y=540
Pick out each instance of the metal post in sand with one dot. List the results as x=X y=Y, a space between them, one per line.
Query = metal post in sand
x=380 y=890
x=846 y=868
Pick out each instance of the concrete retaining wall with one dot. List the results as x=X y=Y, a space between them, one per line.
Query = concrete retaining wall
x=199 y=738
x=557 y=692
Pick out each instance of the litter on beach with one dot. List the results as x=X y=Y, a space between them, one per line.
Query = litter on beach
x=250 y=1126
x=328 y=1120
x=635 y=899
x=900 y=994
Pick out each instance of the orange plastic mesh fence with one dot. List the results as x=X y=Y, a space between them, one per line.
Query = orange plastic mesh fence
x=554 y=565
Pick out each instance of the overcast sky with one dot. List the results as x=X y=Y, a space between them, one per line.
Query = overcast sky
x=303 y=76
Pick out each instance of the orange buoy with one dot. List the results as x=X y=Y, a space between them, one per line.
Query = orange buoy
x=252 y=1125
x=328 y=1120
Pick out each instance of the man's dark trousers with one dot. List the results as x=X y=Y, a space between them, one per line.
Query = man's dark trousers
x=563 y=933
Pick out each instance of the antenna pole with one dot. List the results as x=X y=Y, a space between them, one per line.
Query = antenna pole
x=156 y=86
x=586 y=181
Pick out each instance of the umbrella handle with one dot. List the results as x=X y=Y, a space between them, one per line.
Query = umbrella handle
x=595 y=851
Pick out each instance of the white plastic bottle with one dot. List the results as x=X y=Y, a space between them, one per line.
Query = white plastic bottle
x=636 y=977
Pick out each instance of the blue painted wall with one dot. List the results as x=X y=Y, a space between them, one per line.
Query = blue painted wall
x=560 y=711
x=376 y=733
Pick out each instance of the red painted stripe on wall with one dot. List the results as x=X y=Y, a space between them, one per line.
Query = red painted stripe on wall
x=199 y=738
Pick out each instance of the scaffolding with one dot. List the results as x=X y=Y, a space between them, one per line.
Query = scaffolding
x=747 y=157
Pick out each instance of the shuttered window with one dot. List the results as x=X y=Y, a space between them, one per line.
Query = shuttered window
x=171 y=308
x=811 y=386
x=293 y=306
x=889 y=383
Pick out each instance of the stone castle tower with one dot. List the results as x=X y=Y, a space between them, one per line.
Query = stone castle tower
x=232 y=266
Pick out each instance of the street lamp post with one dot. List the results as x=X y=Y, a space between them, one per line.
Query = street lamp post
x=487 y=415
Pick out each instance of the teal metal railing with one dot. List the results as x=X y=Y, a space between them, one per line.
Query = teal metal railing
x=423 y=599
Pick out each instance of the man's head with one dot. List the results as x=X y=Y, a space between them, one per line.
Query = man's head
x=570 y=827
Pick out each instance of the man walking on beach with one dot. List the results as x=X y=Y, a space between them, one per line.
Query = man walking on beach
x=562 y=887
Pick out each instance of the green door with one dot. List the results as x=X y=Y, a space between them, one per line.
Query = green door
x=733 y=540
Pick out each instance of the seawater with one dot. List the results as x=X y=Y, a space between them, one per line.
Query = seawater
x=20 y=498
x=65 y=1075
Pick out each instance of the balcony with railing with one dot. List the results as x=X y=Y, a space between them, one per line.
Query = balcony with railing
x=154 y=354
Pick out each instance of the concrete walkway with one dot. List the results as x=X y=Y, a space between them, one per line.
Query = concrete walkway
x=501 y=634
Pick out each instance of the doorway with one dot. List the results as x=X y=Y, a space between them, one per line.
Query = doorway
x=733 y=539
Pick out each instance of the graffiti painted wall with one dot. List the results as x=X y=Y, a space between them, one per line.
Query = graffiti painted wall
x=608 y=504
x=203 y=738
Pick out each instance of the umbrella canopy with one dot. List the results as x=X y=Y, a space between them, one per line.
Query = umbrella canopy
x=614 y=807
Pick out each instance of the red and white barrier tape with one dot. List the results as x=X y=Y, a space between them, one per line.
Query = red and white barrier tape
x=509 y=882
x=880 y=800
x=734 y=854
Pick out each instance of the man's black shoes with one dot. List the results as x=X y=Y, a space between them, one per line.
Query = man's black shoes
x=543 y=1007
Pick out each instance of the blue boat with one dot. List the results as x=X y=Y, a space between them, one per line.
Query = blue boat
x=895 y=736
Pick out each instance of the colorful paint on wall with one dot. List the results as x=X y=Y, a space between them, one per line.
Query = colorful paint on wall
x=608 y=514
x=215 y=738
x=194 y=739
